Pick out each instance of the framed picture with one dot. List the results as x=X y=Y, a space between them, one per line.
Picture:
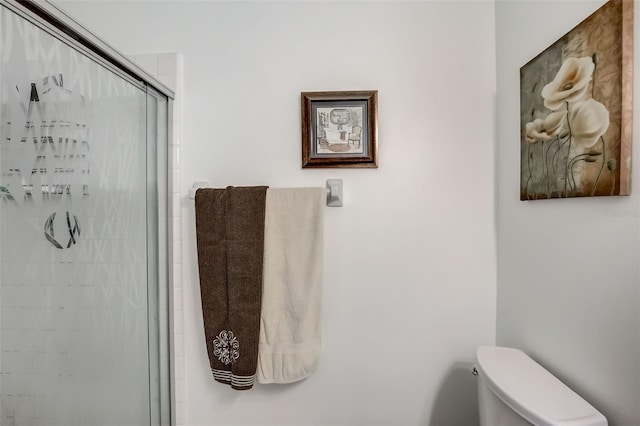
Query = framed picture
x=576 y=106
x=340 y=129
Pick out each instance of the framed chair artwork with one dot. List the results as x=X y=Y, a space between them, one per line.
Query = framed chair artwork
x=340 y=129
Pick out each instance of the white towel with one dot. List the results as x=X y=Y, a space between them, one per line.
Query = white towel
x=292 y=284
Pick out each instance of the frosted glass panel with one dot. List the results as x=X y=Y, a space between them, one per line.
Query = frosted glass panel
x=74 y=340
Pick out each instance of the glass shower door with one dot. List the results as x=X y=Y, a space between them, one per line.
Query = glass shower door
x=79 y=251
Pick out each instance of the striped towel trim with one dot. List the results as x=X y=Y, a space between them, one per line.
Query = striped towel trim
x=227 y=376
x=242 y=381
x=221 y=375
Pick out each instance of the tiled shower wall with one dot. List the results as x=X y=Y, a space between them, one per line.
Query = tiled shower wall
x=167 y=67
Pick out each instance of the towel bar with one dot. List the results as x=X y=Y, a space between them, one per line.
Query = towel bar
x=334 y=191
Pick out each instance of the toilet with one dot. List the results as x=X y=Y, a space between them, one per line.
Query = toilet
x=514 y=390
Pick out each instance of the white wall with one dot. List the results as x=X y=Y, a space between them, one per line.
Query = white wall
x=410 y=259
x=568 y=275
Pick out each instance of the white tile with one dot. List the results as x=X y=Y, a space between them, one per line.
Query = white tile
x=176 y=138
x=179 y=70
x=168 y=80
x=180 y=390
x=167 y=63
x=177 y=228
x=176 y=177
x=177 y=299
x=177 y=204
x=177 y=275
x=175 y=156
x=177 y=253
x=181 y=414
x=179 y=371
x=178 y=325
x=148 y=62
x=178 y=345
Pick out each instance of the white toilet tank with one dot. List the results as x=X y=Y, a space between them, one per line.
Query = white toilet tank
x=514 y=390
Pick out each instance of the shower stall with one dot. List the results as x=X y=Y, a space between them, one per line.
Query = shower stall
x=84 y=258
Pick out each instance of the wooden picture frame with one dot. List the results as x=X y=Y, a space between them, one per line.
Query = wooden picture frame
x=340 y=129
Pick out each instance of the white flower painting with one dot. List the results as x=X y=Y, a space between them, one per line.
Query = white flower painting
x=576 y=111
x=570 y=84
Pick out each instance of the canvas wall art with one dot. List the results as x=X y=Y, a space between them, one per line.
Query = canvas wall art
x=576 y=110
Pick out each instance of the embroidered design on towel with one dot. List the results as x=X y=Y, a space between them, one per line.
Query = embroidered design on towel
x=226 y=347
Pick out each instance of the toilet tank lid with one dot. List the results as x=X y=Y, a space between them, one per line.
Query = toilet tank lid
x=533 y=392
